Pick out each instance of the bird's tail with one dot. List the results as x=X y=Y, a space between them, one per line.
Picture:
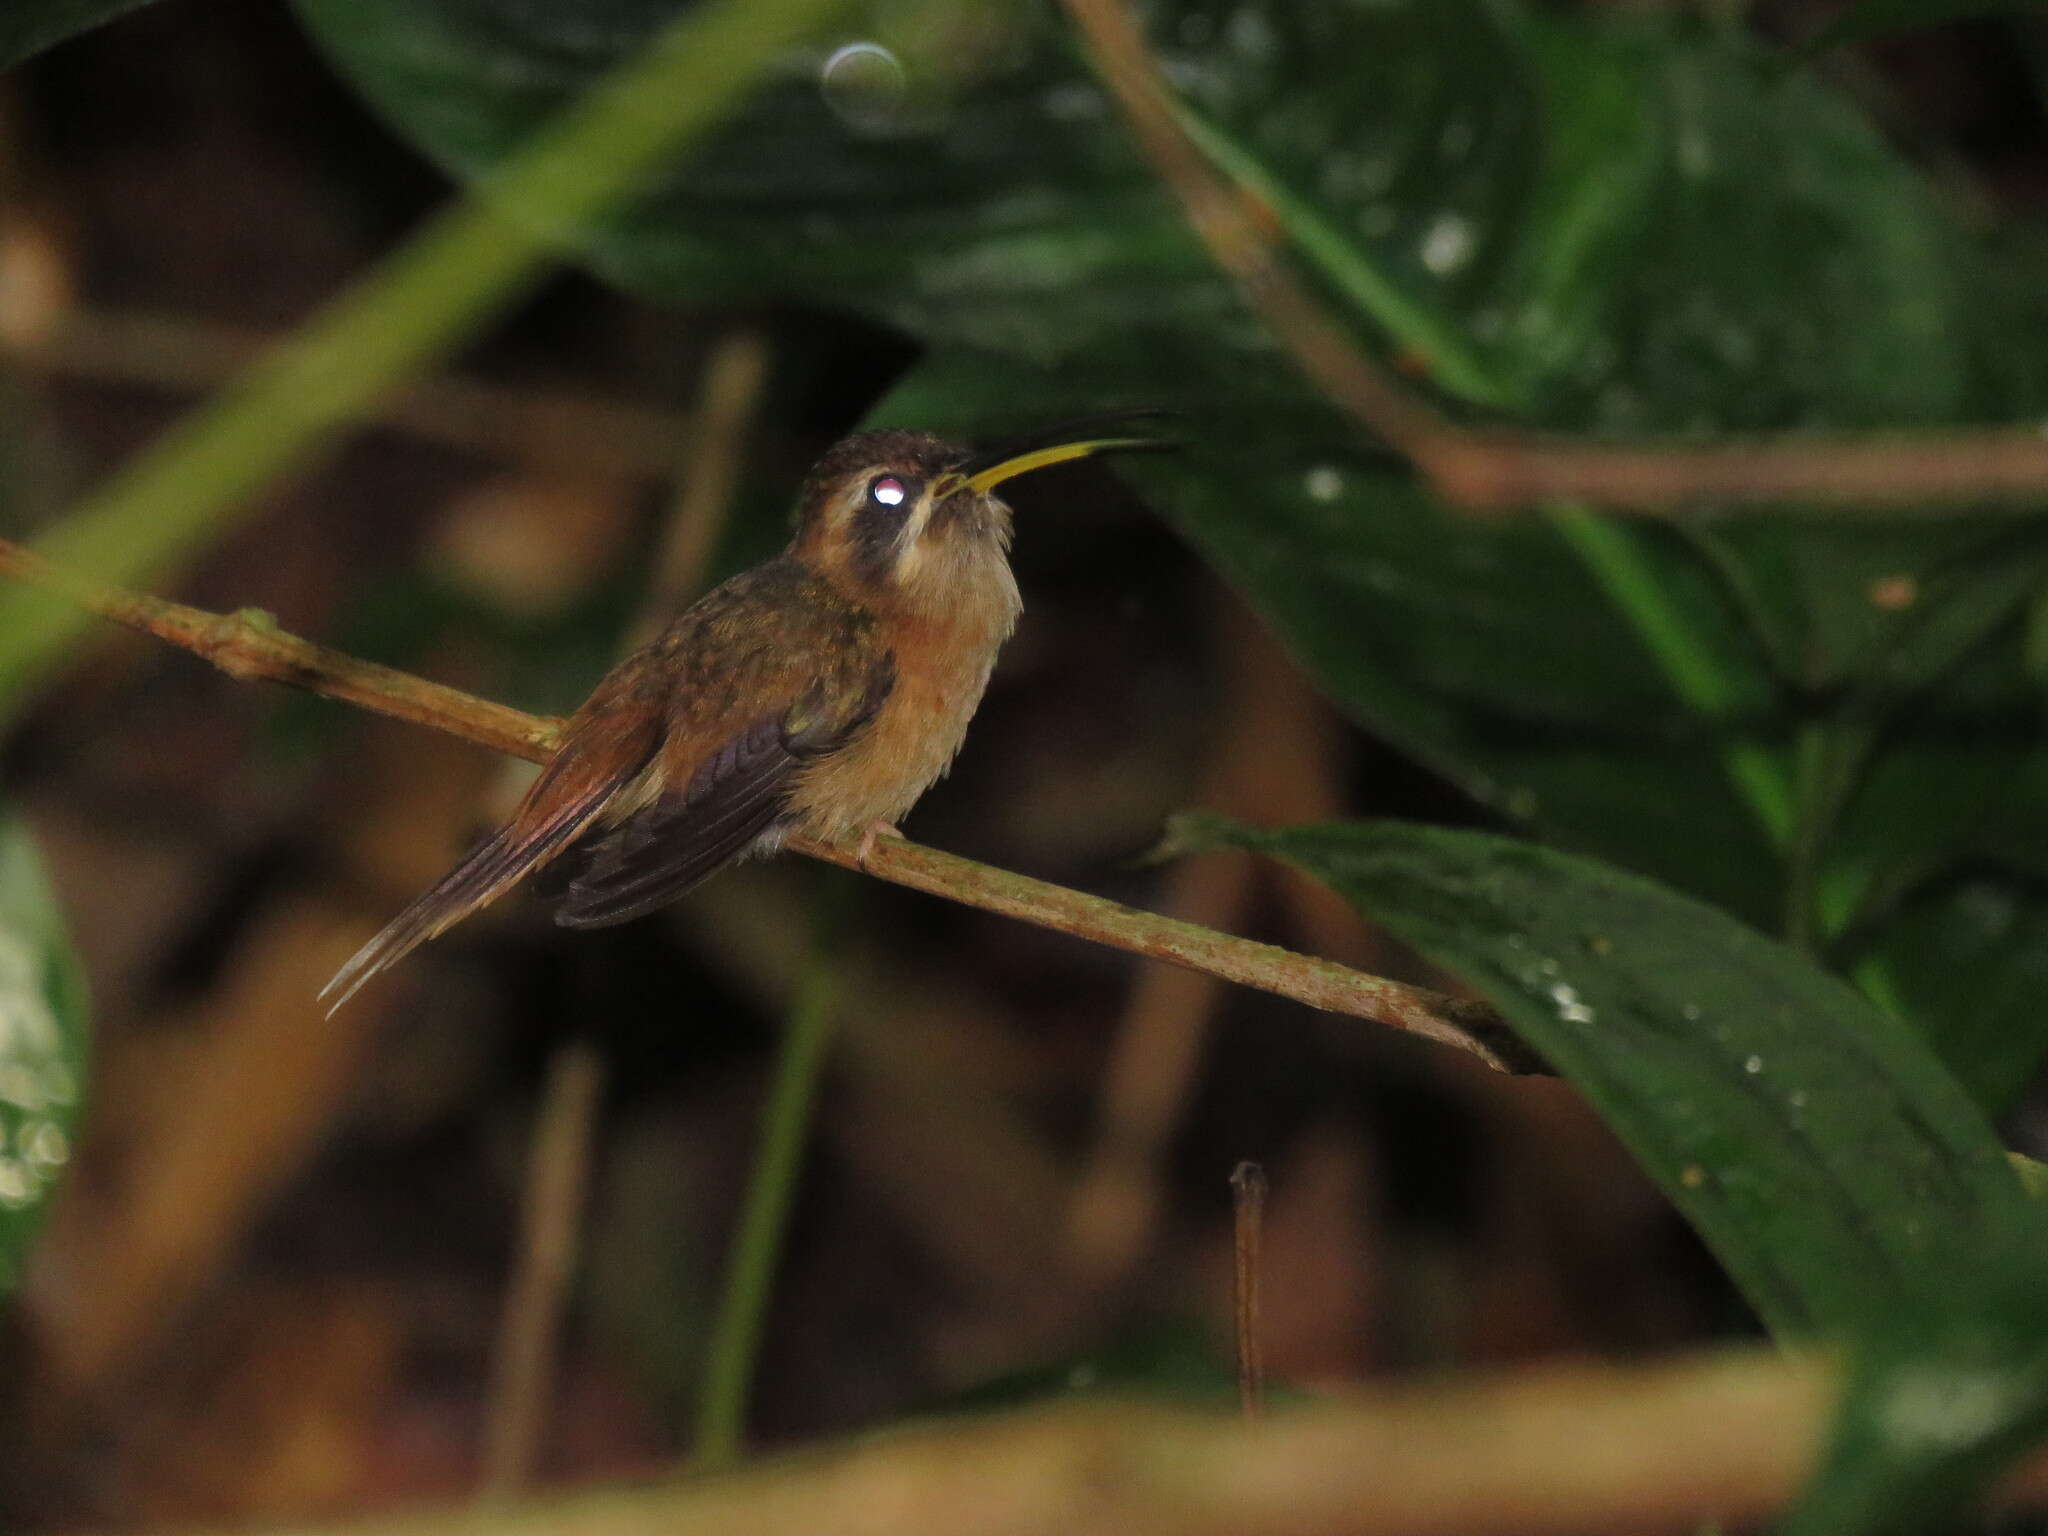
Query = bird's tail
x=571 y=793
x=490 y=869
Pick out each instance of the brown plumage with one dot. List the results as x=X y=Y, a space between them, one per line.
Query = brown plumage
x=819 y=693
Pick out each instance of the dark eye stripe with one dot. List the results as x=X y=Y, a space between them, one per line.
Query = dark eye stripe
x=880 y=522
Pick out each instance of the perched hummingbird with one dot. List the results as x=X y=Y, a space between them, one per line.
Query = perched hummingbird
x=819 y=693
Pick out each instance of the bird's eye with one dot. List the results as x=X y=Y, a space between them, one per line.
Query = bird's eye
x=888 y=491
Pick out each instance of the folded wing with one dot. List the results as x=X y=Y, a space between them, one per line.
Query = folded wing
x=733 y=803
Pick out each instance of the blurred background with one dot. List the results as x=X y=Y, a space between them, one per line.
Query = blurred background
x=271 y=1283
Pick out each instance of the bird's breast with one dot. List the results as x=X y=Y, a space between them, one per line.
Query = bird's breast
x=942 y=662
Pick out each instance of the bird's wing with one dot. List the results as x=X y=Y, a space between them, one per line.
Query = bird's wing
x=770 y=670
x=608 y=744
x=734 y=799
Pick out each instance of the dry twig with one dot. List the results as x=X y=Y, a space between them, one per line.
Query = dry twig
x=1248 y=1204
x=727 y=400
x=551 y=1221
x=1590 y=1450
x=549 y=428
x=1270 y=762
x=249 y=645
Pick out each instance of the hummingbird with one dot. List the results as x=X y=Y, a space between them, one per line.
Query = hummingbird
x=819 y=693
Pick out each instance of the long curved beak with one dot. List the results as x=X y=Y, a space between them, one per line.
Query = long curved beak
x=1055 y=445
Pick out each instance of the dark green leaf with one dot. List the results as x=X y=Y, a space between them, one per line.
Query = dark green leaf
x=42 y=1046
x=27 y=27
x=1969 y=959
x=1816 y=1144
x=1943 y=1395
x=1730 y=284
x=1003 y=206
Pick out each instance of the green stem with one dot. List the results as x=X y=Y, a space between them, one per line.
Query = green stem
x=1873 y=977
x=1612 y=554
x=1803 y=856
x=465 y=266
x=750 y=1275
x=1421 y=327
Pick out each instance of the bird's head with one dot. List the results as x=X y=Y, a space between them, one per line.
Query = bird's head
x=909 y=517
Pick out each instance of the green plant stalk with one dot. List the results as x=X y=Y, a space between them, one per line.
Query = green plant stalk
x=1803 y=856
x=1873 y=978
x=1610 y=553
x=465 y=266
x=1420 y=327
x=750 y=1274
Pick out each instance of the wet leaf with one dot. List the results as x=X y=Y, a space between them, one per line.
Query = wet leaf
x=42 y=1046
x=999 y=203
x=1817 y=1145
x=1942 y=1396
x=1970 y=958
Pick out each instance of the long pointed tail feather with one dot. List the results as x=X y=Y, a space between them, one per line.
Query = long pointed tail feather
x=493 y=867
x=607 y=745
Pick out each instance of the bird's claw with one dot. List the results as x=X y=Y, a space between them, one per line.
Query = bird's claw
x=866 y=850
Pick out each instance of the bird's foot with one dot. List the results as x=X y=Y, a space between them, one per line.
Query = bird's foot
x=876 y=828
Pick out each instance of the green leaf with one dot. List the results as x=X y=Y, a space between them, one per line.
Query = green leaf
x=1969 y=958
x=1943 y=1396
x=1002 y=204
x=1727 y=283
x=42 y=1046
x=1816 y=1145
x=27 y=27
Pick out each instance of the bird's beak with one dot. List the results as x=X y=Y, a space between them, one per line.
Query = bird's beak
x=1074 y=440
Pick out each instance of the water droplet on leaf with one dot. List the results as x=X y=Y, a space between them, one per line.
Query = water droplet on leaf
x=864 y=84
x=1448 y=243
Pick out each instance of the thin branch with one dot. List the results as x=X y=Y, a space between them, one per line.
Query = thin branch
x=1248 y=1210
x=1324 y=984
x=1719 y=1440
x=1501 y=471
x=1269 y=762
x=546 y=427
x=727 y=401
x=248 y=645
x=551 y=1219
x=1241 y=238
x=1495 y=471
